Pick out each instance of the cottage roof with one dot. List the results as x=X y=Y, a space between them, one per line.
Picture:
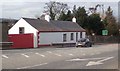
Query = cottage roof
x=43 y=25
x=67 y=25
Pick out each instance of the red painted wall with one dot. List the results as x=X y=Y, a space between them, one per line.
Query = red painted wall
x=21 y=40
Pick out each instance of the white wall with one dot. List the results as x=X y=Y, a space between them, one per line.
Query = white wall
x=83 y=34
x=28 y=29
x=56 y=37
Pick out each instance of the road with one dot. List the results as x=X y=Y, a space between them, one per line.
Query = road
x=97 y=57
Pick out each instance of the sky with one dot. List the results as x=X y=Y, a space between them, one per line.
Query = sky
x=16 y=9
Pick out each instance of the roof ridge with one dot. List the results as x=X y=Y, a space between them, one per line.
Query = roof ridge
x=28 y=18
x=34 y=19
x=61 y=20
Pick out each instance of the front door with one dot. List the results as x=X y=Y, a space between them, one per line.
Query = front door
x=76 y=36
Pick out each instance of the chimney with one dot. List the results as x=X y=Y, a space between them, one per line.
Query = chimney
x=74 y=19
x=47 y=17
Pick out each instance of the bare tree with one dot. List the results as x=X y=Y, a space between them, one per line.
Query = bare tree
x=55 y=8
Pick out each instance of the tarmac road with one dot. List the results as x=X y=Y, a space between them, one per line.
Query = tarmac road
x=97 y=57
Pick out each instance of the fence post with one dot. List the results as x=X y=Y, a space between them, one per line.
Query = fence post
x=93 y=37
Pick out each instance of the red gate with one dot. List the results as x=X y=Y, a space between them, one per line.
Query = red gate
x=21 y=40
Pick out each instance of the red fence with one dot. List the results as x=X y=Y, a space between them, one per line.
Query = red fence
x=21 y=40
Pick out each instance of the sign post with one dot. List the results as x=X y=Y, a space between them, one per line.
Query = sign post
x=104 y=32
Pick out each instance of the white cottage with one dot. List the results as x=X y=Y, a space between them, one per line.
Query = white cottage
x=48 y=32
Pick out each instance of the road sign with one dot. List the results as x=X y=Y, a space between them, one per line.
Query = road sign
x=104 y=32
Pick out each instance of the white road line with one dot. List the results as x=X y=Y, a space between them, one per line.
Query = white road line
x=92 y=54
x=90 y=63
x=40 y=54
x=5 y=56
x=25 y=55
x=58 y=54
x=84 y=54
x=86 y=59
x=49 y=51
x=71 y=54
x=55 y=53
x=32 y=66
x=98 y=53
x=21 y=53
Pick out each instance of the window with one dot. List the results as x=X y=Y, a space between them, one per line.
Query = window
x=76 y=36
x=64 y=37
x=80 y=34
x=72 y=36
x=21 y=30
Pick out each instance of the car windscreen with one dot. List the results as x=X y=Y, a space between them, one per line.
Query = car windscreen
x=82 y=40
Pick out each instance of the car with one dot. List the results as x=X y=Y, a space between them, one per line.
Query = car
x=84 y=42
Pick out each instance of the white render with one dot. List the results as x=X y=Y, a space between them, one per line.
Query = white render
x=47 y=17
x=28 y=29
x=45 y=38
x=57 y=37
x=83 y=34
x=74 y=19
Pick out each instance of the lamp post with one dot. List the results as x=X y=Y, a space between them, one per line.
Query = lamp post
x=119 y=32
x=119 y=37
x=93 y=35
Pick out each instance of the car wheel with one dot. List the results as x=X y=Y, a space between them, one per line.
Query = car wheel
x=88 y=45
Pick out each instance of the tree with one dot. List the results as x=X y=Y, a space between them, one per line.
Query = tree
x=55 y=8
x=66 y=17
x=92 y=23
x=74 y=10
x=62 y=16
x=110 y=22
x=81 y=17
x=79 y=13
x=69 y=16
x=95 y=24
x=112 y=29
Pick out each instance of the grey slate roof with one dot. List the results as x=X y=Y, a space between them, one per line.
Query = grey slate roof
x=43 y=25
x=67 y=25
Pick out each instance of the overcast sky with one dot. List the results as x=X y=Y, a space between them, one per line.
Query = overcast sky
x=26 y=8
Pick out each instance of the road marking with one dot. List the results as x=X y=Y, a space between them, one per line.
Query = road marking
x=71 y=54
x=98 y=62
x=40 y=54
x=25 y=55
x=58 y=54
x=20 y=53
x=49 y=51
x=84 y=54
x=92 y=54
x=32 y=66
x=78 y=59
x=98 y=53
x=5 y=56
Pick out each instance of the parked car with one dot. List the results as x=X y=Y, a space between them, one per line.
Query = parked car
x=84 y=42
